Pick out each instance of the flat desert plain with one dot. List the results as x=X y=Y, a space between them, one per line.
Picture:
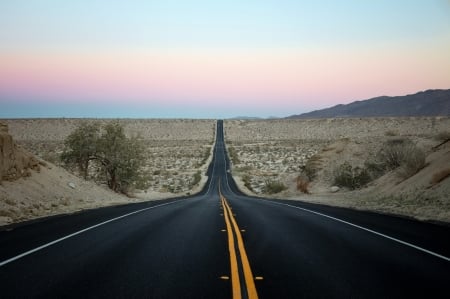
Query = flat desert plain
x=279 y=151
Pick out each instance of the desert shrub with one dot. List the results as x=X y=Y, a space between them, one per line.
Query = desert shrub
x=143 y=181
x=311 y=167
x=413 y=163
x=205 y=156
x=390 y=133
x=302 y=184
x=272 y=187
x=247 y=182
x=351 y=177
x=80 y=147
x=402 y=153
x=10 y=201
x=196 y=178
x=374 y=167
x=440 y=176
x=115 y=157
x=233 y=155
x=394 y=152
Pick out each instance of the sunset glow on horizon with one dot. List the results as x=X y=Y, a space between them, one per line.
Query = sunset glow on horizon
x=187 y=71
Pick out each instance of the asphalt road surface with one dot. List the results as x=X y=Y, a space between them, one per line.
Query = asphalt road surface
x=222 y=244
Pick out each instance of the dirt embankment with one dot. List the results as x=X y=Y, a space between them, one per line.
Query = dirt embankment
x=15 y=162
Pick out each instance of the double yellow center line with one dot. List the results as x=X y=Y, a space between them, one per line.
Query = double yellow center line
x=248 y=276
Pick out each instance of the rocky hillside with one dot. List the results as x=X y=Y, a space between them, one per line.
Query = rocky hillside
x=15 y=162
x=426 y=103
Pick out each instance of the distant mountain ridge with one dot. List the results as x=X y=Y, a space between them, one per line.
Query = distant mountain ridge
x=425 y=103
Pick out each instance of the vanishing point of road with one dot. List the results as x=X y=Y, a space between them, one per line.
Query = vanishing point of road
x=222 y=244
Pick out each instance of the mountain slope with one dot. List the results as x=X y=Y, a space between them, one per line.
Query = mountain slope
x=424 y=103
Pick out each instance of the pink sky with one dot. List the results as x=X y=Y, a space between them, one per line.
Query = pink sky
x=301 y=79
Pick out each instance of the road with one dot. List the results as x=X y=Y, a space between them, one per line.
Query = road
x=222 y=244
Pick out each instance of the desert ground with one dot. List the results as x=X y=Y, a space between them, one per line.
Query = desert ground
x=175 y=149
x=261 y=151
x=264 y=151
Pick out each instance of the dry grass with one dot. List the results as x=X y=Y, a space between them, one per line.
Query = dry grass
x=273 y=187
x=390 y=133
x=303 y=184
x=440 y=176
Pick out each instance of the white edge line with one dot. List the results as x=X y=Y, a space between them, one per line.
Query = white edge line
x=79 y=232
x=368 y=230
x=214 y=163
x=214 y=166
x=225 y=161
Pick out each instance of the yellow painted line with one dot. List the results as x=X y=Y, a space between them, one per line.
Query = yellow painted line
x=235 y=283
x=249 y=282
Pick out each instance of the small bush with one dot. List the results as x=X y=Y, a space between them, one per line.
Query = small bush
x=143 y=181
x=440 y=176
x=312 y=167
x=351 y=177
x=205 y=156
x=302 y=184
x=196 y=178
x=413 y=163
x=393 y=153
x=233 y=155
x=272 y=187
x=401 y=153
x=390 y=133
x=10 y=202
x=247 y=182
x=374 y=168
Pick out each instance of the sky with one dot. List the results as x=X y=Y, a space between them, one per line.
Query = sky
x=215 y=59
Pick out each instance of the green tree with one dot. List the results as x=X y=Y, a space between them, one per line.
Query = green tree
x=80 y=147
x=120 y=158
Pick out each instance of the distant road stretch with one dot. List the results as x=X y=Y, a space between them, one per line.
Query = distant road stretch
x=222 y=244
